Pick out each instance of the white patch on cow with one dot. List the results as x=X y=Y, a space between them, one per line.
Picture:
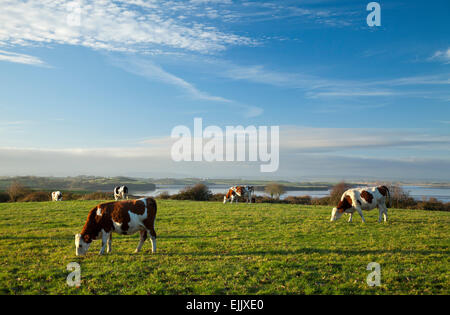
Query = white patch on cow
x=136 y=221
x=117 y=227
x=144 y=200
x=81 y=247
x=99 y=211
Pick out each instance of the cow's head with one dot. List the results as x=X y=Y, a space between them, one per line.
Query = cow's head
x=81 y=247
x=335 y=214
x=239 y=190
x=344 y=204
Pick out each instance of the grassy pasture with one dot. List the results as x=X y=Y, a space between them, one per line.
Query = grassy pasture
x=211 y=248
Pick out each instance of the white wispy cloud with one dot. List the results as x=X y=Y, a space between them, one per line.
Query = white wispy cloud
x=310 y=139
x=441 y=55
x=323 y=87
x=350 y=93
x=149 y=70
x=108 y=25
x=146 y=68
x=20 y=58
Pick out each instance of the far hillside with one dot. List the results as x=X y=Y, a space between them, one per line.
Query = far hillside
x=78 y=183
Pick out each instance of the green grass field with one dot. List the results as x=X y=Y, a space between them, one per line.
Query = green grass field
x=211 y=248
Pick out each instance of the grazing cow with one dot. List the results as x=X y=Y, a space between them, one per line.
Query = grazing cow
x=358 y=199
x=233 y=194
x=123 y=217
x=238 y=191
x=121 y=192
x=56 y=196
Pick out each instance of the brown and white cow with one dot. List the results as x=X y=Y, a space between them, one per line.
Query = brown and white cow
x=358 y=199
x=57 y=196
x=124 y=217
x=233 y=194
x=239 y=191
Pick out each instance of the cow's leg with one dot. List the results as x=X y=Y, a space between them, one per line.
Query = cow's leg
x=380 y=211
x=224 y=199
x=109 y=243
x=141 y=241
x=351 y=217
x=385 y=210
x=361 y=214
x=105 y=237
x=150 y=226
x=153 y=239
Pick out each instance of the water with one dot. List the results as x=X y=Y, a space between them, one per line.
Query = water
x=417 y=192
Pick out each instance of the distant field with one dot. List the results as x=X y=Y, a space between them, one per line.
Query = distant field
x=211 y=248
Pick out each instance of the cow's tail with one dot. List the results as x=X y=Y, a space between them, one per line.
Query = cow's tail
x=389 y=200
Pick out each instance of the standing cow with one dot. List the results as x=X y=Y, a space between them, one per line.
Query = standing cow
x=56 y=196
x=358 y=199
x=120 y=192
x=123 y=217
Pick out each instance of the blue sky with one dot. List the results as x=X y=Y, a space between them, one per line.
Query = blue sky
x=101 y=97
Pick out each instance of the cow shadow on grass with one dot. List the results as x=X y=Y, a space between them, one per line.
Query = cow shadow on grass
x=307 y=251
x=71 y=237
x=27 y=238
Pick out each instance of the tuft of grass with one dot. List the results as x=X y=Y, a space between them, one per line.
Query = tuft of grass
x=211 y=248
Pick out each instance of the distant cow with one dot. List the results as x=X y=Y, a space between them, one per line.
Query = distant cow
x=121 y=192
x=358 y=199
x=239 y=191
x=232 y=194
x=123 y=217
x=57 y=196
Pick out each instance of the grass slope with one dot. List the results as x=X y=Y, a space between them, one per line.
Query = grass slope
x=211 y=248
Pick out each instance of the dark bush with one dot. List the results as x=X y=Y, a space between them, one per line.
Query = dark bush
x=99 y=195
x=337 y=191
x=198 y=192
x=36 y=196
x=433 y=204
x=323 y=201
x=302 y=200
x=163 y=195
x=4 y=197
x=267 y=199
x=67 y=195
x=401 y=198
x=217 y=197
x=17 y=191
